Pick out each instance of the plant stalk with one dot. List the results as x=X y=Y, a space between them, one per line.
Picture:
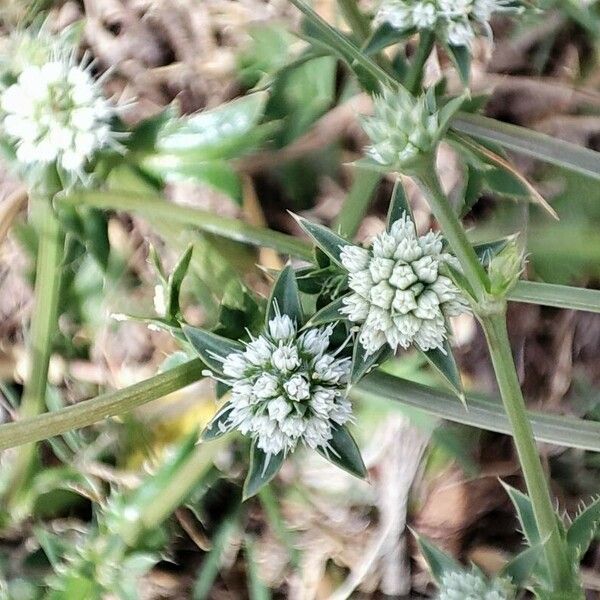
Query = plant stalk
x=43 y=327
x=426 y=178
x=496 y=334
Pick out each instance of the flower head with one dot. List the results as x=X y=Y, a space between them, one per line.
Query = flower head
x=457 y=22
x=402 y=129
x=473 y=586
x=56 y=113
x=400 y=296
x=287 y=387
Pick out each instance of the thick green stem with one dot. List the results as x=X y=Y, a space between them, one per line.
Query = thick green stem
x=427 y=180
x=43 y=326
x=86 y=413
x=414 y=77
x=537 y=486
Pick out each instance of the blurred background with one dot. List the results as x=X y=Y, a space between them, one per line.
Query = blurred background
x=314 y=532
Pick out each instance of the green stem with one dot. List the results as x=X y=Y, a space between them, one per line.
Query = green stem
x=484 y=413
x=357 y=201
x=427 y=180
x=159 y=208
x=82 y=414
x=43 y=326
x=556 y=557
x=414 y=77
x=358 y=22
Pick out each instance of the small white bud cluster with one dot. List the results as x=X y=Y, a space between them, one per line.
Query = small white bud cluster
x=399 y=295
x=287 y=387
x=457 y=585
x=401 y=129
x=457 y=21
x=56 y=112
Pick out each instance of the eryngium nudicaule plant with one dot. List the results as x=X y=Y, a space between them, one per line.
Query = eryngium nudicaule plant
x=457 y=22
x=52 y=110
x=400 y=296
x=402 y=128
x=287 y=386
x=463 y=585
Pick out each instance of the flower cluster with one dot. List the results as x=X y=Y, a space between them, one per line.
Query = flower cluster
x=287 y=387
x=399 y=295
x=457 y=585
x=56 y=112
x=401 y=129
x=458 y=22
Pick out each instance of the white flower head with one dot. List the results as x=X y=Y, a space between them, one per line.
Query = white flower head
x=474 y=586
x=403 y=300
x=56 y=113
x=457 y=22
x=287 y=388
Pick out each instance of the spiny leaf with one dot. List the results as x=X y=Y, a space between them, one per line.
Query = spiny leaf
x=262 y=469
x=584 y=528
x=438 y=561
x=328 y=314
x=175 y=281
x=208 y=345
x=398 y=204
x=443 y=361
x=214 y=429
x=344 y=452
x=285 y=298
x=363 y=363
x=329 y=242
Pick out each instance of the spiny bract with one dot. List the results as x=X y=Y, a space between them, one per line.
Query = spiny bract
x=458 y=22
x=457 y=585
x=399 y=295
x=287 y=387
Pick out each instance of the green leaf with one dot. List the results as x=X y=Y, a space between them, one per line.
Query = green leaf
x=329 y=242
x=285 y=298
x=262 y=469
x=320 y=33
x=444 y=363
x=208 y=345
x=438 y=561
x=461 y=57
x=363 y=363
x=521 y=566
x=384 y=36
x=558 y=296
x=186 y=167
x=525 y=513
x=343 y=452
x=214 y=430
x=186 y=216
x=583 y=529
x=487 y=250
x=175 y=281
x=220 y=133
x=328 y=314
x=398 y=204
x=483 y=412
x=531 y=143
